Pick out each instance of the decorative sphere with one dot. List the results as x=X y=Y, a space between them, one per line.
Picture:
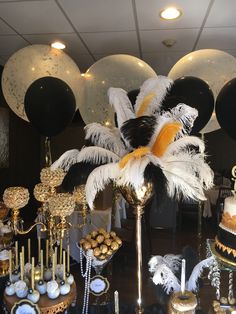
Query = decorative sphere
x=52 y=178
x=123 y=71
x=215 y=67
x=16 y=197
x=31 y=63
x=42 y=192
x=61 y=204
x=33 y=296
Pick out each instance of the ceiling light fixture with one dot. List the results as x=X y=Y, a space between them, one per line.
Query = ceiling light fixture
x=58 y=45
x=170 y=13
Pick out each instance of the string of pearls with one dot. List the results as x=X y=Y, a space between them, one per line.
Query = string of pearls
x=230 y=294
x=87 y=275
x=214 y=276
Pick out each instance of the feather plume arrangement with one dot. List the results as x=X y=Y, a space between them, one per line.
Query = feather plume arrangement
x=157 y=88
x=165 y=271
x=157 y=147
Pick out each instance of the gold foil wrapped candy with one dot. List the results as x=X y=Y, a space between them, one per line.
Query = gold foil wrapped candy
x=42 y=192
x=103 y=243
x=61 y=204
x=53 y=178
x=16 y=197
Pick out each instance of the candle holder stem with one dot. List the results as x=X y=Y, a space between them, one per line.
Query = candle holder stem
x=138 y=214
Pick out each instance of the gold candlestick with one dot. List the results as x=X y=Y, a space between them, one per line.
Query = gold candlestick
x=32 y=273
x=29 y=251
x=41 y=264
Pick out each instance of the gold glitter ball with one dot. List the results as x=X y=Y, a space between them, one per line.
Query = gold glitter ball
x=16 y=197
x=79 y=194
x=61 y=204
x=50 y=177
x=42 y=192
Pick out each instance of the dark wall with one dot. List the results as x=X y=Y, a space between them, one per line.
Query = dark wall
x=221 y=150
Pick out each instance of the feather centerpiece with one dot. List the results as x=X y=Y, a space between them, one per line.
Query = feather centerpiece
x=160 y=138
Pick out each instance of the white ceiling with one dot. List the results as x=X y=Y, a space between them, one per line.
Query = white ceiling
x=92 y=29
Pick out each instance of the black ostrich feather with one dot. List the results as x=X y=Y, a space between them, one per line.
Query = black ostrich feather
x=139 y=131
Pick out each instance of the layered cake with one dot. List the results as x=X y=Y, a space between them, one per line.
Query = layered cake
x=225 y=243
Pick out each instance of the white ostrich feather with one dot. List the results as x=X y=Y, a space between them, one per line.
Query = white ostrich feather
x=165 y=277
x=186 y=115
x=133 y=173
x=98 y=179
x=66 y=160
x=182 y=144
x=105 y=137
x=120 y=102
x=191 y=285
x=97 y=155
x=170 y=260
x=159 y=86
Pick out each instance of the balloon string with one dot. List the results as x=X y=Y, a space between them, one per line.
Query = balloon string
x=48 y=155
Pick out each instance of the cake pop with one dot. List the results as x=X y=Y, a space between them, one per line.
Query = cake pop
x=53 y=290
x=33 y=295
x=41 y=284
x=64 y=286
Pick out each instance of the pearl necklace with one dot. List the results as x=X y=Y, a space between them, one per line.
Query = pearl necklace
x=87 y=275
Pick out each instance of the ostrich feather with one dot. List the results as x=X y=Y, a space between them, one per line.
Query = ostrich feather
x=120 y=102
x=138 y=132
x=66 y=160
x=105 y=137
x=170 y=260
x=183 y=144
x=196 y=273
x=186 y=115
x=159 y=86
x=133 y=173
x=97 y=155
x=165 y=277
x=98 y=179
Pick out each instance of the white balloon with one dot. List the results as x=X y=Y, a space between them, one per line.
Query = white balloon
x=123 y=71
x=215 y=67
x=31 y=63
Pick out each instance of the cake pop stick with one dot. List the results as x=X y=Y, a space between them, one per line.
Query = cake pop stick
x=68 y=258
x=53 y=266
x=60 y=256
x=21 y=267
x=41 y=264
x=32 y=274
x=116 y=298
x=64 y=265
x=23 y=257
x=55 y=256
x=183 y=276
x=16 y=255
x=10 y=264
x=29 y=251
x=39 y=249
x=47 y=253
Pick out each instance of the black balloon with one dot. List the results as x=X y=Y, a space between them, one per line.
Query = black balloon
x=49 y=105
x=195 y=93
x=226 y=108
x=133 y=95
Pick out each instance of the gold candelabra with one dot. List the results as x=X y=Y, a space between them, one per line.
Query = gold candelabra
x=16 y=198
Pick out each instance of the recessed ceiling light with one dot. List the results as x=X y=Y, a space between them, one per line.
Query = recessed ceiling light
x=170 y=13
x=58 y=45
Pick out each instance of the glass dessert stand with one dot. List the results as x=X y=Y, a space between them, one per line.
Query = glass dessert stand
x=220 y=265
x=46 y=305
x=97 y=285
